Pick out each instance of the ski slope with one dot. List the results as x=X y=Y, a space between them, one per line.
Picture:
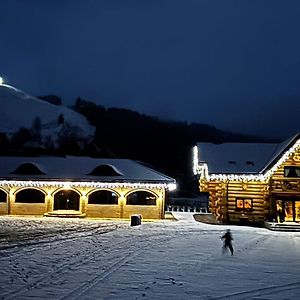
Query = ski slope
x=19 y=109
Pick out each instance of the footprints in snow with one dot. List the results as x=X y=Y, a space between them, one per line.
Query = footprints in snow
x=162 y=282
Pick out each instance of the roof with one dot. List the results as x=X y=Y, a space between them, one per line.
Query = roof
x=78 y=169
x=281 y=148
x=242 y=158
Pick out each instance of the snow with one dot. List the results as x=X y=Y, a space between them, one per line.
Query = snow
x=79 y=168
x=46 y=258
x=233 y=157
x=15 y=102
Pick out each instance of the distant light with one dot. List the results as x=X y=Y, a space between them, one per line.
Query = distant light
x=172 y=186
x=1 y=80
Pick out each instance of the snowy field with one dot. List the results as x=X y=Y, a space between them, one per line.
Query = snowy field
x=45 y=258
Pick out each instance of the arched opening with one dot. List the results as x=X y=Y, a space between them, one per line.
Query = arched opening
x=30 y=196
x=103 y=197
x=3 y=196
x=66 y=200
x=141 y=198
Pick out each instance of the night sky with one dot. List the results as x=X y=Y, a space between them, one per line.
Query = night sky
x=232 y=64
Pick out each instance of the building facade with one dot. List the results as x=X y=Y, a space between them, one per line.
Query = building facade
x=81 y=186
x=251 y=183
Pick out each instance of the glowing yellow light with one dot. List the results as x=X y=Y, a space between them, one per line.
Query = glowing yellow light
x=67 y=186
x=1 y=80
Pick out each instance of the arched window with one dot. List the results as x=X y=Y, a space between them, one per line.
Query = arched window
x=141 y=198
x=28 y=169
x=103 y=197
x=30 y=196
x=66 y=200
x=3 y=196
x=105 y=170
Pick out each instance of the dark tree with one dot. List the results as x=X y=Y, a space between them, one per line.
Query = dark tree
x=51 y=99
x=22 y=136
x=36 y=129
x=60 y=119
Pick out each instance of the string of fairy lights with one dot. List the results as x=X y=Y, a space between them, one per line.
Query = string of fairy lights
x=201 y=168
x=67 y=185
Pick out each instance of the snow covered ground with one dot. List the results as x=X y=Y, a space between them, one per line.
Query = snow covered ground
x=44 y=258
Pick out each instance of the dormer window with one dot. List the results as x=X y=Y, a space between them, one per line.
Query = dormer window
x=232 y=162
x=28 y=169
x=249 y=163
x=105 y=170
x=292 y=171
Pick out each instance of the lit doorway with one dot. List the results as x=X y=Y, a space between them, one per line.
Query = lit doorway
x=288 y=210
x=288 y=207
x=66 y=200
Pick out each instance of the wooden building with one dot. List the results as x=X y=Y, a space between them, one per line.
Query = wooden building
x=250 y=182
x=81 y=186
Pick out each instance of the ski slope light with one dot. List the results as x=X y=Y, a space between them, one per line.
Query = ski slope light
x=1 y=80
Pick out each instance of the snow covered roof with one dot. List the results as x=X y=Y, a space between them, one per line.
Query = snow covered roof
x=241 y=158
x=78 y=169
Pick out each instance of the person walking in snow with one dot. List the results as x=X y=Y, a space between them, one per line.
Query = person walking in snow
x=227 y=239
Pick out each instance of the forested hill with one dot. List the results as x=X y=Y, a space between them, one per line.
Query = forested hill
x=50 y=128
x=165 y=145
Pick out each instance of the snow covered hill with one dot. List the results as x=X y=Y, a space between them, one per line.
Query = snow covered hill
x=19 y=109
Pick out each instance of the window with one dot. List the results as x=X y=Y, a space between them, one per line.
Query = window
x=244 y=205
x=292 y=171
x=105 y=170
x=28 y=169
x=103 y=197
x=141 y=198
x=30 y=196
x=2 y=196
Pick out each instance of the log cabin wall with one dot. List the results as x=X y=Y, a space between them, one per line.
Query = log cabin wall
x=254 y=196
x=286 y=187
x=223 y=198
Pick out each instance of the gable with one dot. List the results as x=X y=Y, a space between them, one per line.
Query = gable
x=292 y=162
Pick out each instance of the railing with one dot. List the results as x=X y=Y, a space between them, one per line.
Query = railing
x=180 y=208
x=285 y=185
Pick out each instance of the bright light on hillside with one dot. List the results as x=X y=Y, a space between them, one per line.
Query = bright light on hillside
x=1 y=80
